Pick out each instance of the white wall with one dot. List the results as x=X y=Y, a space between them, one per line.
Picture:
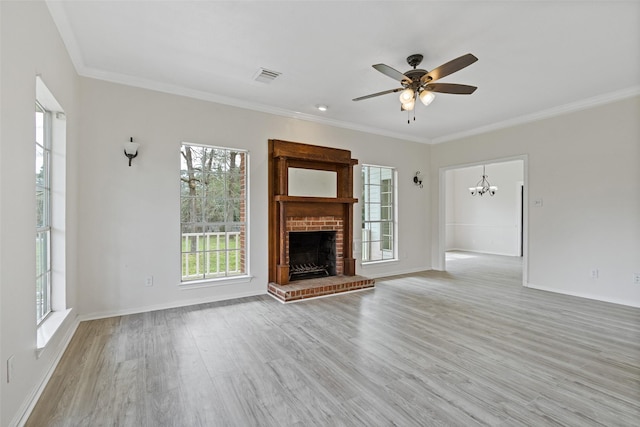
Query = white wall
x=30 y=45
x=488 y=224
x=584 y=167
x=129 y=216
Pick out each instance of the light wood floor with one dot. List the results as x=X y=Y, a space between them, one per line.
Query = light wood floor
x=462 y=348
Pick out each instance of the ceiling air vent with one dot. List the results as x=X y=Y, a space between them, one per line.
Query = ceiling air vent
x=265 y=76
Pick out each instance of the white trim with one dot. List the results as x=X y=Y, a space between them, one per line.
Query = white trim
x=184 y=303
x=483 y=252
x=23 y=413
x=212 y=283
x=238 y=103
x=217 y=147
x=584 y=104
x=391 y=274
x=365 y=264
x=583 y=295
x=56 y=9
x=48 y=328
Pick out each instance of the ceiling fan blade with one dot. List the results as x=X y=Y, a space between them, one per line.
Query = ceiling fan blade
x=391 y=72
x=451 y=88
x=449 y=68
x=378 y=94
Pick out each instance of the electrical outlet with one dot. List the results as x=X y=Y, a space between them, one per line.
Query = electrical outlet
x=9 y=369
x=594 y=273
x=636 y=278
x=148 y=281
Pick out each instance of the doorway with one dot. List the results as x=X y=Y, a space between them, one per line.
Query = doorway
x=484 y=224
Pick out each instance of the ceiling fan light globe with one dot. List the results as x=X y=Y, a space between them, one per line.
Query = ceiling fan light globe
x=427 y=97
x=408 y=106
x=406 y=96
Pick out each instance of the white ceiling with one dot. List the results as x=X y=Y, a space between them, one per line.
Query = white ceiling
x=536 y=58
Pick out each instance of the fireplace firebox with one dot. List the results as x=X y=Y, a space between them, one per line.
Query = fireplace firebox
x=312 y=254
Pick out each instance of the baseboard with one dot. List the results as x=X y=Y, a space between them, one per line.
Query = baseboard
x=30 y=402
x=481 y=252
x=397 y=273
x=583 y=295
x=183 y=303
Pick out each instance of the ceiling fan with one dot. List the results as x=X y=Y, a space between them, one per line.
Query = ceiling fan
x=418 y=83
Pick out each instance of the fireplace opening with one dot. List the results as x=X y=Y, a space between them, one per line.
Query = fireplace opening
x=312 y=254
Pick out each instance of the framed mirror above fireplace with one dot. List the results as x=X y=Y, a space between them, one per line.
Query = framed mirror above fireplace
x=312 y=183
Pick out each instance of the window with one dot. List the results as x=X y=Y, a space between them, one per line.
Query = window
x=50 y=204
x=378 y=213
x=43 y=212
x=213 y=200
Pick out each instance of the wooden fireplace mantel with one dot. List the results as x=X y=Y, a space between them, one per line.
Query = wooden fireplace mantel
x=286 y=154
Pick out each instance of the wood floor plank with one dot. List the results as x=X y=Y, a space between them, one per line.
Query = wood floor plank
x=465 y=347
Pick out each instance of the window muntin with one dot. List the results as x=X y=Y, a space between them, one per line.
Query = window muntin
x=43 y=212
x=213 y=201
x=378 y=213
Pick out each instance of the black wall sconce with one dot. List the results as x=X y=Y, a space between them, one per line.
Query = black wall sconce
x=417 y=180
x=131 y=149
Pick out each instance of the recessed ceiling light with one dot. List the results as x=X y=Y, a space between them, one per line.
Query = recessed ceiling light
x=322 y=107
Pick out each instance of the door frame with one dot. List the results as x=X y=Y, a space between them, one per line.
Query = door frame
x=441 y=247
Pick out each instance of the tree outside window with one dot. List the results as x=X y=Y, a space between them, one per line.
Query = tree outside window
x=212 y=212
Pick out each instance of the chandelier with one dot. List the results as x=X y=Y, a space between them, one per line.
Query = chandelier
x=483 y=186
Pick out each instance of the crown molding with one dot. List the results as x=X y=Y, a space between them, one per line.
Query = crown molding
x=56 y=9
x=544 y=114
x=238 y=103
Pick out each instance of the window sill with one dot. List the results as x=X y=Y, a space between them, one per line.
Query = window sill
x=209 y=283
x=48 y=328
x=382 y=261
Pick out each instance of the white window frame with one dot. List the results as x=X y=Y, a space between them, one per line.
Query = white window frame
x=43 y=216
x=376 y=213
x=58 y=312
x=206 y=259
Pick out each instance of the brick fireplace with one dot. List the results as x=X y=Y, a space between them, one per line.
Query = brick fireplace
x=304 y=214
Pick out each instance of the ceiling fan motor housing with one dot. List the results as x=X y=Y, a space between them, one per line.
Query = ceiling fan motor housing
x=414 y=60
x=415 y=75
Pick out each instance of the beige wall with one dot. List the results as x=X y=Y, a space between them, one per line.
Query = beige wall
x=584 y=167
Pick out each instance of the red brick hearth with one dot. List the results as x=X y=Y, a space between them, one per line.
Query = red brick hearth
x=323 y=286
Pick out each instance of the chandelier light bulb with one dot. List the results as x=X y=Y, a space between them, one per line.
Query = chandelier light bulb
x=406 y=95
x=426 y=96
